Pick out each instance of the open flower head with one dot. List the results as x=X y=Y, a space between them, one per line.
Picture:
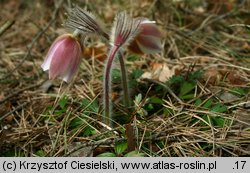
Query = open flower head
x=148 y=40
x=63 y=58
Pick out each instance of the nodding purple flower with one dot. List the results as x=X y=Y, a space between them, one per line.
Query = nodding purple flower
x=63 y=58
x=148 y=41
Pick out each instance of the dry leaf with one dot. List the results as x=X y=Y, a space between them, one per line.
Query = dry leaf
x=228 y=97
x=234 y=77
x=9 y=119
x=246 y=46
x=130 y=137
x=213 y=75
x=101 y=149
x=5 y=108
x=160 y=72
x=82 y=152
x=98 y=52
x=221 y=6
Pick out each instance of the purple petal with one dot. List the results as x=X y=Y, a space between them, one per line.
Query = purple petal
x=149 y=44
x=149 y=38
x=68 y=75
x=54 y=47
x=64 y=57
x=150 y=29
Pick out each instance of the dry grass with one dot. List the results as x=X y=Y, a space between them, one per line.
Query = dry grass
x=36 y=115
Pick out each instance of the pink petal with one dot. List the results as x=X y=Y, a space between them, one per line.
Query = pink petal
x=66 y=54
x=149 y=38
x=68 y=75
x=149 y=44
x=54 y=47
x=150 y=29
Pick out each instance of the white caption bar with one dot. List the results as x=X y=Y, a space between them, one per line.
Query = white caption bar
x=93 y=164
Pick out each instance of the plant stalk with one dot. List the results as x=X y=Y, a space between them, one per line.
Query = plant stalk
x=107 y=85
x=124 y=81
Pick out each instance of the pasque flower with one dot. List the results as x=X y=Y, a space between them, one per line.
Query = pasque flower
x=123 y=31
x=63 y=58
x=148 y=40
x=140 y=35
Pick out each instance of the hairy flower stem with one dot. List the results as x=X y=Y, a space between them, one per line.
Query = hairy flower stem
x=124 y=81
x=107 y=85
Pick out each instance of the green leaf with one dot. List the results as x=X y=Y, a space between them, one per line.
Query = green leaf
x=134 y=154
x=218 y=121
x=208 y=103
x=85 y=102
x=138 y=98
x=60 y=112
x=107 y=154
x=88 y=131
x=136 y=73
x=239 y=91
x=188 y=96
x=133 y=58
x=149 y=107
x=116 y=76
x=205 y=118
x=186 y=88
x=40 y=153
x=121 y=147
x=155 y=100
x=219 y=108
x=168 y=111
x=122 y=130
x=196 y=75
x=205 y=146
x=92 y=106
x=175 y=80
x=76 y=122
x=63 y=101
x=159 y=88
x=215 y=121
x=198 y=102
x=9 y=153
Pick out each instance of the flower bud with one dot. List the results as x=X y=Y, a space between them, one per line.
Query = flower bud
x=63 y=58
x=148 y=40
x=124 y=29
